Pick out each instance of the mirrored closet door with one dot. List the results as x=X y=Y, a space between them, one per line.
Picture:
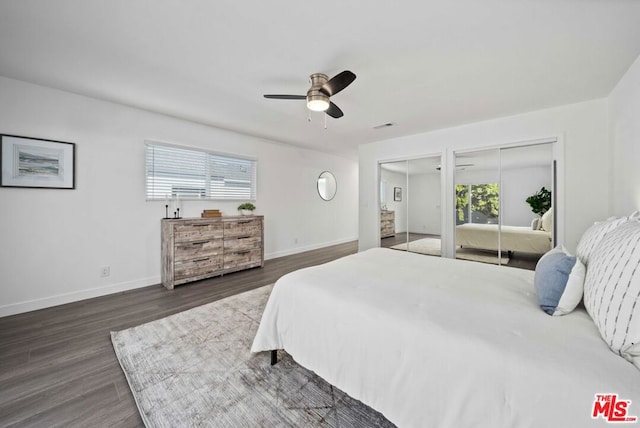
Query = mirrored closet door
x=393 y=205
x=477 y=211
x=410 y=196
x=503 y=210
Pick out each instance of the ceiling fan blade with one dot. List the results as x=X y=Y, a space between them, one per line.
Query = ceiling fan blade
x=338 y=83
x=334 y=111
x=286 y=97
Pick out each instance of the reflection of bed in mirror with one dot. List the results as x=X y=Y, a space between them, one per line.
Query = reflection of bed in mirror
x=512 y=238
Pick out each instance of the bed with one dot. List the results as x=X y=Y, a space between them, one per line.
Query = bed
x=512 y=238
x=436 y=342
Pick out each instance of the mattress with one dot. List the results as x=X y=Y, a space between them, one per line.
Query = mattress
x=512 y=238
x=436 y=342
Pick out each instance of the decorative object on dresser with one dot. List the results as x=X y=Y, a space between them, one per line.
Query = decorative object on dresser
x=387 y=223
x=172 y=205
x=210 y=213
x=247 y=208
x=199 y=248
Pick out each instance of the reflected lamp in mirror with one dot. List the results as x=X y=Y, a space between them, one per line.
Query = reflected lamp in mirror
x=327 y=186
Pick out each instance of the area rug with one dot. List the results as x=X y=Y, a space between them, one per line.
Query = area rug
x=195 y=369
x=431 y=246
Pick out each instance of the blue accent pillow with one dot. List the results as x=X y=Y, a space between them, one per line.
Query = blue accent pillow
x=551 y=276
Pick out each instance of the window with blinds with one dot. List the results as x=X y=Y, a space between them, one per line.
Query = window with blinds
x=173 y=171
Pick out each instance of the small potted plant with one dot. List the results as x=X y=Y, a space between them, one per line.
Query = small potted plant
x=246 y=208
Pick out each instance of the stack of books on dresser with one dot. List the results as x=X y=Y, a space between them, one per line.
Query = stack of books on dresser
x=211 y=213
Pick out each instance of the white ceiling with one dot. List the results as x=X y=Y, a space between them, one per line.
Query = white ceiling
x=422 y=65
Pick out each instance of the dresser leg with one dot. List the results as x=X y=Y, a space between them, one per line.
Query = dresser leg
x=274 y=357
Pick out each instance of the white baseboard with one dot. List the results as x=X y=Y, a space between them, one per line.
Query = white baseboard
x=61 y=299
x=297 y=250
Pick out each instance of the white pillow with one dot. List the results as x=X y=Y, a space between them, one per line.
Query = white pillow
x=592 y=236
x=535 y=223
x=573 y=292
x=612 y=289
x=546 y=222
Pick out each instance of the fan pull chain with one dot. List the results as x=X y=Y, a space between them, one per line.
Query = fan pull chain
x=325 y=122
x=308 y=115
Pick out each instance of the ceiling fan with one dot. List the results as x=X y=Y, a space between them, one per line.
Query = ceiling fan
x=321 y=89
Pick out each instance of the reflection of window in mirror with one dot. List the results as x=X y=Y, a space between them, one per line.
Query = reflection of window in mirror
x=477 y=203
x=383 y=194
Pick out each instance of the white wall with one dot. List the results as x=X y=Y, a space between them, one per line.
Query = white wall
x=581 y=131
x=517 y=186
x=624 y=133
x=54 y=242
x=424 y=203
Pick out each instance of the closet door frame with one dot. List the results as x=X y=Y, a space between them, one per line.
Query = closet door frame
x=557 y=182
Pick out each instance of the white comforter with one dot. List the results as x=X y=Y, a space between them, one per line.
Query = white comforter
x=512 y=238
x=434 y=342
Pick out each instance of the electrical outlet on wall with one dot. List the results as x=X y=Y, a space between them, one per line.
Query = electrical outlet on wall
x=105 y=271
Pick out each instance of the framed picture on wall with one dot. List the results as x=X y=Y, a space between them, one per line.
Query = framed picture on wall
x=397 y=193
x=37 y=163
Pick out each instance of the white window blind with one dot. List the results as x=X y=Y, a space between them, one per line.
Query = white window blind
x=173 y=171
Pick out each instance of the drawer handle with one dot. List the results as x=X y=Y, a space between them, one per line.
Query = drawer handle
x=243 y=237
x=244 y=221
x=243 y=252
x=199 y=260
x=199 y=242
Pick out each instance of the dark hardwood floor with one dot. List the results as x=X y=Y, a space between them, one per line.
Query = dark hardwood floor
x=58 y=367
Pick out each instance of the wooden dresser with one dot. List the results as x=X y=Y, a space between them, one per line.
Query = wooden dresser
x=198 y=248
x=387 y=223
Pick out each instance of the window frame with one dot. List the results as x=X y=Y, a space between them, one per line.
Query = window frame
x=207 y=174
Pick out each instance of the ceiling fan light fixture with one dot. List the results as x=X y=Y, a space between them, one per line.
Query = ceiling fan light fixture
x=321 y=89
x=317 y=102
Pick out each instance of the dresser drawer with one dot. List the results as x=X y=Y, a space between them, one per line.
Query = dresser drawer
x=243 y=258
x=197 y=231
x=387 y=215
x=197 y=249
x=239 y=228
x=242 y=243
x=196 y=267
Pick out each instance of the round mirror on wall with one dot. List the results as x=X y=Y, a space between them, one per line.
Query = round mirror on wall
x=327 y=185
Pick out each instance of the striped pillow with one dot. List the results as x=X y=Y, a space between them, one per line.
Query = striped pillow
x=612 y=289
x=594 y=234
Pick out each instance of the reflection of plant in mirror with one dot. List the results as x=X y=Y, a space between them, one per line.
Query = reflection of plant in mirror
x=540 y=202
x=484 y=199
